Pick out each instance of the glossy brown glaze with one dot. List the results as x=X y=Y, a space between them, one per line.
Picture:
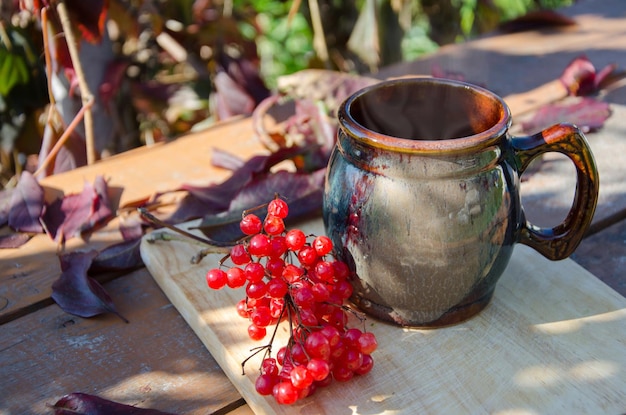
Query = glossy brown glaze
x=422 y=196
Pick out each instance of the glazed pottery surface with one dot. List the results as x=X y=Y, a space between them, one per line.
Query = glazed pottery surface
x=422 y=197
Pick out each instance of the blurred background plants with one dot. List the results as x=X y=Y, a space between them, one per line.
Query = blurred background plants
x=158 y=69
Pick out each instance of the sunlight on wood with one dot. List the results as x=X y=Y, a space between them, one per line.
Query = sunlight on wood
x=570 y=326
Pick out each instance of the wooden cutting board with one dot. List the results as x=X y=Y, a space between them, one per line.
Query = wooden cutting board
x=553 y=341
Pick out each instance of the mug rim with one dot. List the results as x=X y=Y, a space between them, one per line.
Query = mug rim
x=384 y=141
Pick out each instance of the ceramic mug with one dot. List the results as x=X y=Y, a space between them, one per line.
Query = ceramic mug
x=422 y=197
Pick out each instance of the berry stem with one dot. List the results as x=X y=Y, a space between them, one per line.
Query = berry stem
x=144 y=212
x=268 y=346
x=253 y=209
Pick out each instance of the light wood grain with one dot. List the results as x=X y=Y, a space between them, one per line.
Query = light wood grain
x=552 y=341
x=27 y=273
x=155 y=361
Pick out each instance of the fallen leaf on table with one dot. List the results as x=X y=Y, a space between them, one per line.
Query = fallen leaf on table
x=226 y=160
x=84 y=404
x=581 y=78
x=587 y=113
x=302 y=134
x=77 y=213
x=131 y=226
x=118 y=257
x=303 y=192
x=77 y=293
x=216 y=198
x=13 y=240
x=27 y=205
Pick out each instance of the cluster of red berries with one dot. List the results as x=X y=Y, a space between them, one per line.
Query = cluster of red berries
x=289 y=276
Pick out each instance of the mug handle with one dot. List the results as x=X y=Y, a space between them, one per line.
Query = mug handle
x=561 y=241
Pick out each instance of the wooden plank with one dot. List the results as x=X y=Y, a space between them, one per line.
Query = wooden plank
x=518 y=62
x=242 y=410
x=525 y=102
x=604 y=255
x=552 y=341
x=548 y=187
x=140 y=173
x=155 y=361
x=145 y=171
x=27 y=273
x=511 y=64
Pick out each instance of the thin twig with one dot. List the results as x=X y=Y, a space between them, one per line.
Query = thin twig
x=85 y=93
x=199 y=256
x=157 y=221
x=66 y=134
x=319 y=39
x=48 y=59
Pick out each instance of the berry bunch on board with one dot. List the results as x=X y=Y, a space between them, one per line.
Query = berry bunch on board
x=294 y=278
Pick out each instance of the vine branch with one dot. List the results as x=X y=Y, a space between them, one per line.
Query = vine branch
x=85 y=93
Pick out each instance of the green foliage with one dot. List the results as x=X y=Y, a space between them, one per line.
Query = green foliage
x=16 y=60
x=284 y=45
x=215 y=33
x=13 y=71
x=510 y=9
x=416 y=43
x=22 y=93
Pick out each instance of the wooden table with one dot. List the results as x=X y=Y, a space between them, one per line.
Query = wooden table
x=157 y=361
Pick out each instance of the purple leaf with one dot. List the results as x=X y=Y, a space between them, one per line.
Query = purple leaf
x=246 y=75
x=131 y=227
x=318 y=134
x=13 y=240
x=580 y=76
x=112 y=82
x=84 y=404
x=226 y=160
x=5 y=205
x=78 y=213
x=188 y=208
x=27 y=205
x=216 y=198
x=587 y=113
x=302 y=191
x=290 y=186
x=232 y=99
x=77 y=293
x=70 y=156
x=118 y=257
x=305 y=110
x=101 y=203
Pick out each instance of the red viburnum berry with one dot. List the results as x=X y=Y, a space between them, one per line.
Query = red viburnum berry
x=216 y=278
x=251 y=224
x=279 y=208
x=288 y=276
x=295 y=239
